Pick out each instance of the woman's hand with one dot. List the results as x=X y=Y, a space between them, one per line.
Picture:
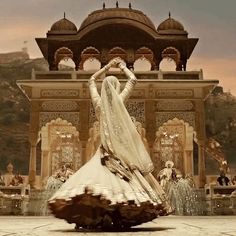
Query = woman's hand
x=122 y=65
x=114 y=63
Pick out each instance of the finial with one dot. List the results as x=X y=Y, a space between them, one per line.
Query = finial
x=130 y=6
x=117 y=4
x=64 y=15
x=104 y=5
x=169 y=14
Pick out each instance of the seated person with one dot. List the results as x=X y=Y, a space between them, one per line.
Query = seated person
x=2 y=183
x=17 y=180
x=234 y=180
x=222 y=179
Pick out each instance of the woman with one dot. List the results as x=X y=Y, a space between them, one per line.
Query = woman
x=115 y=188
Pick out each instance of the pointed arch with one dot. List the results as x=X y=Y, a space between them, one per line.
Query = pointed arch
x=62 y=53
x=117 y=52
x=170 y=59
x=174 y=142
x=89 y=55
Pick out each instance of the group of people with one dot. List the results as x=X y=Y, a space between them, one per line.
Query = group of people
x=64 y=173
x=179 y=189
x=11 y=179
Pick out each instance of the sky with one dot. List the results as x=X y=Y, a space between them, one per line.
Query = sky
x=212 y=21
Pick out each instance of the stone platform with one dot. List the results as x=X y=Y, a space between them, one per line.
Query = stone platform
x=164 y=226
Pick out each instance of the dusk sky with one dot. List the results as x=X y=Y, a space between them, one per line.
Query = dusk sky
x=212 y=21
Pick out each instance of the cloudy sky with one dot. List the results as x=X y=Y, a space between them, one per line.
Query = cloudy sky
x=213 y=21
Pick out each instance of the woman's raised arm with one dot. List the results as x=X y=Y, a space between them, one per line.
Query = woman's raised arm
x=92 y=84
x=130 y=83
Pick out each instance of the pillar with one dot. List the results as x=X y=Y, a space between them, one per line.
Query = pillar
x=188 y=162
x=201 y=138
x=201 y=164
x=32 y=163
x=33 y=140
x=45 y=167
x=150 y=121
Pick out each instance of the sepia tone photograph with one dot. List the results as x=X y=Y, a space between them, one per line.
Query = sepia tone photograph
x=117 y=117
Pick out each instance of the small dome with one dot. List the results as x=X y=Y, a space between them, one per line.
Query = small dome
x=63 y=26
x=171 y=26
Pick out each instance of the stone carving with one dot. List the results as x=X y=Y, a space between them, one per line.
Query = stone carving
x=59 y=106
x=137 y=110
x=174 y=93
x=162 y=117
x=138 y=93
x=174 y=105
x=67 y=129
x=59 y=93
x=45 y=117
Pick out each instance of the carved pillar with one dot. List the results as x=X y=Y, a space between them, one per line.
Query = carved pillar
x=33 y=139
x=150 y=121
x=184 y=65
x=201 y=137
x=179 y=66
x=201 y=164
x=188 y=162
x=32 y=163
x=84 y=126
x=45 y=166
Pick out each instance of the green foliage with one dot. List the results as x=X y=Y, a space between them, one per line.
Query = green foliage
x=23 y=116
x=8 y=104
x=8 y=119
x=10 y=142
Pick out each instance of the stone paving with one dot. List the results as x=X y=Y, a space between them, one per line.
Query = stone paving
x=164 y=226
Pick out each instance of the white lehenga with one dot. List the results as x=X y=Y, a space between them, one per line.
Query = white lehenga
x=115 y=187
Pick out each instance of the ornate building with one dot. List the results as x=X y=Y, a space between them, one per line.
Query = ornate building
x=169 y=105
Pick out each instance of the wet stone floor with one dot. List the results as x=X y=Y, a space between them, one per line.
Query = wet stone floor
x=164 y=226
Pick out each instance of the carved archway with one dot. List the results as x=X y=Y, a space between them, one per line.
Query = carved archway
x=63 y=53
x=89 y=53
x=171 y=54
x=174 y=142
x=117 y=52
x=60 y=144
x=144 y=54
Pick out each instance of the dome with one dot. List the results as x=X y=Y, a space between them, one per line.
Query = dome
x=171 y=26
x=63 y=26
x=118 y=15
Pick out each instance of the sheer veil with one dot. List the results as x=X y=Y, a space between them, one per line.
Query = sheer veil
x=118 y=132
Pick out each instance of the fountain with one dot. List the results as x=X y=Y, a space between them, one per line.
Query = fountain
x=183 y=197
x=39 y=198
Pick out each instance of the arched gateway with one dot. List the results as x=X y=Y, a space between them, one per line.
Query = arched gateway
x=159 y=96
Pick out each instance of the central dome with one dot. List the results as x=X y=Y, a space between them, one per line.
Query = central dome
x=119 y=14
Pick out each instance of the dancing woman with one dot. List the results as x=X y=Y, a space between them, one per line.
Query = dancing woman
x=115 y=188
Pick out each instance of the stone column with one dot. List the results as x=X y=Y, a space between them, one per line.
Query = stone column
x=84 y=126
x=188 y=162
x=32 y=163
x=45 y=167
x=201 y=137
x=150 y=121
x=201 y=164
x=33 y=139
